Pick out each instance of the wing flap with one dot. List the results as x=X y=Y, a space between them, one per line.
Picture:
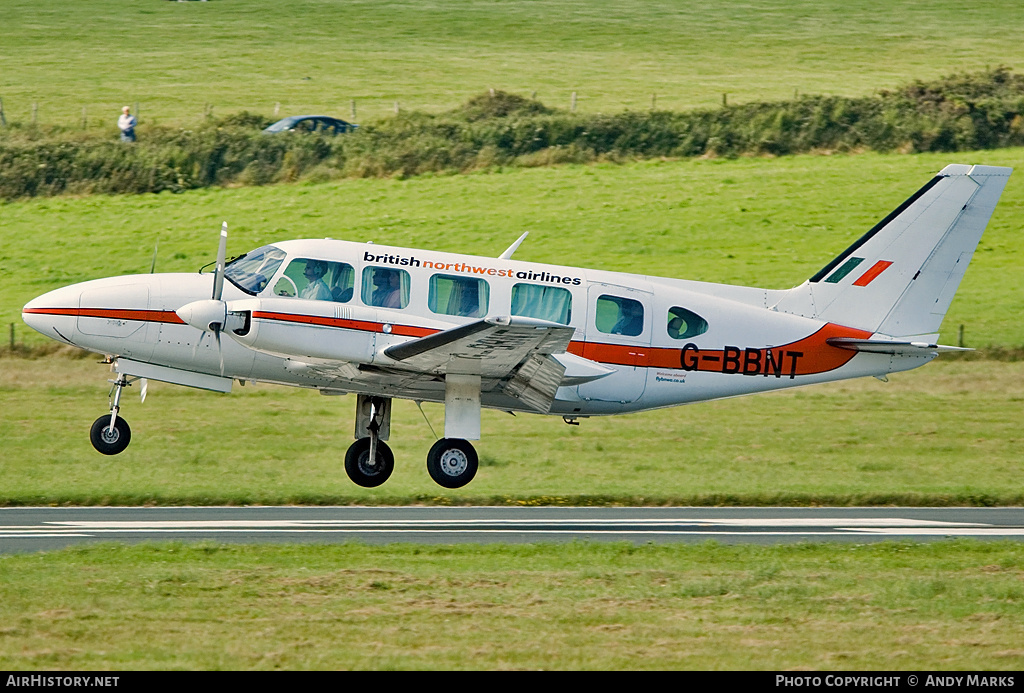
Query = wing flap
x=491 y=348
x=516 y=352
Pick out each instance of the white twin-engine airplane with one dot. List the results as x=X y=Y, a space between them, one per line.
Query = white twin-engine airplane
x=384 y=322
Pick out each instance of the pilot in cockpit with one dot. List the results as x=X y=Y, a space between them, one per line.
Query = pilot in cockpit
x=316 y=289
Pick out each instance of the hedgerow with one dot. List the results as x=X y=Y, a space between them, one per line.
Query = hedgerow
x=957 y=113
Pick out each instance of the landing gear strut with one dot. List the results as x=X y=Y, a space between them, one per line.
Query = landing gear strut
x=111 y=434
x=452 y=461
x=369 y=461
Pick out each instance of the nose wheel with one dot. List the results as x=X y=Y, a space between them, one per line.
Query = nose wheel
x=108 y=438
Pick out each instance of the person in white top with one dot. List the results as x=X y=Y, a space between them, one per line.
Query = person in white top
x=316 y=289
x=126 y=123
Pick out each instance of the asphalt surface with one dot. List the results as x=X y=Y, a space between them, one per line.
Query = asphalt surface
x=42 y=529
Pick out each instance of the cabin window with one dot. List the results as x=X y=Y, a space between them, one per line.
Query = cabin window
x=317 y=280
x=385 y=287
x=617 y=315
x=462 y=296
x=252 y=272
x=683 y=323
x=544 y=302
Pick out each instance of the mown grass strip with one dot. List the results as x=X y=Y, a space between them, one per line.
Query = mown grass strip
x=888 y=606
x=179 y=60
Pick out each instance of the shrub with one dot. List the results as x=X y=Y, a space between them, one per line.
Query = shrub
x=960 y=112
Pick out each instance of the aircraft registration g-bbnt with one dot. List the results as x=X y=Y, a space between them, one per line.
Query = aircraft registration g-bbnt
x=384 y=322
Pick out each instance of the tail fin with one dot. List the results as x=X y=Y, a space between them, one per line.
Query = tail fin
x=899 y=278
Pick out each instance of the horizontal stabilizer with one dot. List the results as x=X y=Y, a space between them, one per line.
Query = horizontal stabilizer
x=879 y=346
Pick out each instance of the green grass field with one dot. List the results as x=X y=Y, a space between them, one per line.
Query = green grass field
x=318 y=55
x=945 y=606
x=758 y=222
x=946 y=434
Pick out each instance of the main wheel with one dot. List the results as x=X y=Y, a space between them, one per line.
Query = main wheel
x=107 y=440
x=359 y=469
x=452 y=462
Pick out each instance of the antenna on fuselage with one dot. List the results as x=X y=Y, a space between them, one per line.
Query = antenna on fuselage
x=512 y=248
x=156 y=246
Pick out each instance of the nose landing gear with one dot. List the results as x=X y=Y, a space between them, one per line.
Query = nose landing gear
x=111 y=434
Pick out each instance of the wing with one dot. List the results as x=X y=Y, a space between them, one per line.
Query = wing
x=516 y=352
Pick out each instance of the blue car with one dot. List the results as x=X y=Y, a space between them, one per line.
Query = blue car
x=311 y=123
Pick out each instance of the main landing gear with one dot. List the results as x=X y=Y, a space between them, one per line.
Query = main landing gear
x=111 y=434
x=451 y=462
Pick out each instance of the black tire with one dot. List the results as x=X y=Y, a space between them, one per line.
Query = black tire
x=452 y=462
x=360 y=472
x=110 y=441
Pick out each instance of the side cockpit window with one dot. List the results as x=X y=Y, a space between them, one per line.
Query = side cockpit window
x=683 y=323
x=252 y=271
x=317 y=280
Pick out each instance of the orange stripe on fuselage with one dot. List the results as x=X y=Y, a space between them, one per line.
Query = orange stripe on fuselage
x=166 y=316
x=806 y=356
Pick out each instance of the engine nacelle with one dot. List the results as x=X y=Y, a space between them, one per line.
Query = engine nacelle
x=300 y=328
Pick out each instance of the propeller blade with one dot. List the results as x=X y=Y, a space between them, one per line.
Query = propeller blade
x=222 y=251
x=144 y=389
x=220 y=350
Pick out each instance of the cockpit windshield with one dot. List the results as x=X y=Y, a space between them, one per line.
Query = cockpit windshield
x=251 y=272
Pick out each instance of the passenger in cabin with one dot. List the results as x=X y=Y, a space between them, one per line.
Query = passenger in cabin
x=389 y=288
x=316 y=289
x=631 y=319
x=675 y=327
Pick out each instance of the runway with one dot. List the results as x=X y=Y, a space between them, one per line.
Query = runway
x=41 y=529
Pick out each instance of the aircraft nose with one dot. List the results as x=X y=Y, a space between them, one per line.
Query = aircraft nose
x=46 y=314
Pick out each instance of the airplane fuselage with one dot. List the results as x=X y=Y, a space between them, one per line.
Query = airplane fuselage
x=338 y=346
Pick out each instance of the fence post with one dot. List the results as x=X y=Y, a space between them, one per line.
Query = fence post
x=654 y=101
x=12 y=337
x=85 y=122
x=353 y=109
x=572 y=105
x=35 y=111
x=3 y=118
x=725 y=100
x=397 y=108
x=960 y=337
x=277 y=108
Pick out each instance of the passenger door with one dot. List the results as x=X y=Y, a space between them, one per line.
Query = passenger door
x=613 y=340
